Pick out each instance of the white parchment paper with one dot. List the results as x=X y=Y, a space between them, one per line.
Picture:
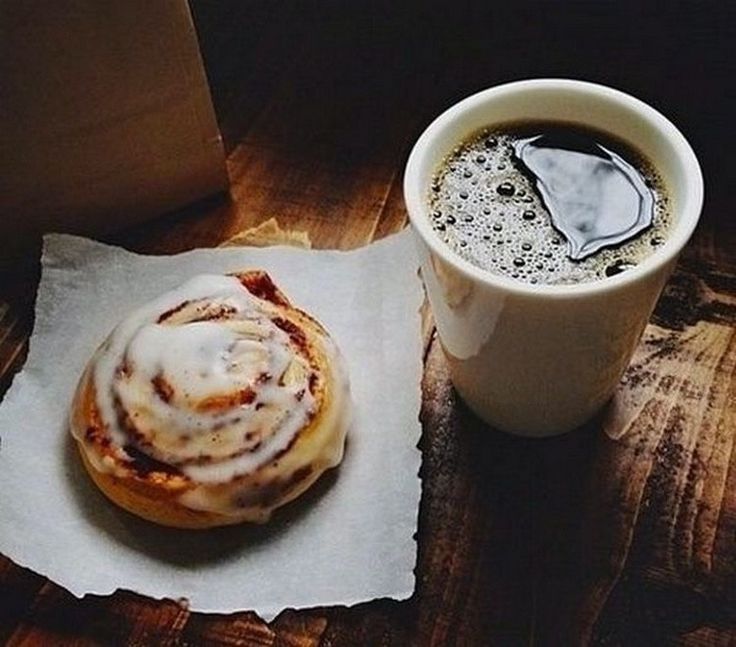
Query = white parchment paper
x=349 y=539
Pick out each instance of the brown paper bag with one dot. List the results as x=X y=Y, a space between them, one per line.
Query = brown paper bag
x=105 y=116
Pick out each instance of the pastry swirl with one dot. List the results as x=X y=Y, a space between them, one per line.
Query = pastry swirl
x=214 y=404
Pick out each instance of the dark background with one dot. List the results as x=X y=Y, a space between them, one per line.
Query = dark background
x=367 y=77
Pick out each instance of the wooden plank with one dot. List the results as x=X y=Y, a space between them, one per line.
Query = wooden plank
x=381 y=622
x=660 y=488
x=475 y=554
x=299 y=629
x=18 y=590
x=240 y=629
x=57 y=618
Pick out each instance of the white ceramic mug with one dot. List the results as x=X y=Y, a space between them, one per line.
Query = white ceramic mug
x=538 y=359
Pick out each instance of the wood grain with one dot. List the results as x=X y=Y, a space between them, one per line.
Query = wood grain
x=620 y=533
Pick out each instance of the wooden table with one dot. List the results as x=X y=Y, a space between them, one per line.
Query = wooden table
x=621 y=533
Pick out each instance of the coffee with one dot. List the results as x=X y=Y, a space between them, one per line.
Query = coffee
x=550 y=203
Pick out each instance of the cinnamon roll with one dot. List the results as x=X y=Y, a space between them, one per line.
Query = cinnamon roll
x=214 y=404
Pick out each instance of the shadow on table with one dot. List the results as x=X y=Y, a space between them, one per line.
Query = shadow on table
x=502 y=523
x=175 y=546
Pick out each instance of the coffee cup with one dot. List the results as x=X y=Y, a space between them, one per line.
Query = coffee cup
x=542 y=359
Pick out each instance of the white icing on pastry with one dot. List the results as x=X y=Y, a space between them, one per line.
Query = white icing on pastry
x=205 y=380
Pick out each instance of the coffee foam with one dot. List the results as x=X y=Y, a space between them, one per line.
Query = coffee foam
x=488 y=211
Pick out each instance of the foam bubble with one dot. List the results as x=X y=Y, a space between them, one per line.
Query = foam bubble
x=489 y=212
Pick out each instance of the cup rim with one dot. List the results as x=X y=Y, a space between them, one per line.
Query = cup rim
x=688 y=212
